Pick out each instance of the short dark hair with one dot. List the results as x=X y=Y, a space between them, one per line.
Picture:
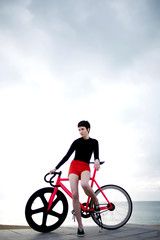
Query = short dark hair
x=85 y=124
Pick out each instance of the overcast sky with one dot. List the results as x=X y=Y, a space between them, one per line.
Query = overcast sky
x=62 y=61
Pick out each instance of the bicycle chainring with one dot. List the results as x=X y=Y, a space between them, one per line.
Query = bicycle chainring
x=85 y=214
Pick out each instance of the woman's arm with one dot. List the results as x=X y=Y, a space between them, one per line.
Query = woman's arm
x=65 y=158
x=96 y=155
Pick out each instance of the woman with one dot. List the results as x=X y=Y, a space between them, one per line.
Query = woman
x=79 y=169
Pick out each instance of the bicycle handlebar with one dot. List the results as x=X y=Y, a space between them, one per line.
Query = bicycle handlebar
x=99 y=162
x=51 y=178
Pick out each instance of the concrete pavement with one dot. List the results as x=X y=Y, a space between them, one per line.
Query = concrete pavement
x=128 y=232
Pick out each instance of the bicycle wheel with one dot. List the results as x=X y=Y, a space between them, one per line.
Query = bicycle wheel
x=36 y=212
x=121 y=209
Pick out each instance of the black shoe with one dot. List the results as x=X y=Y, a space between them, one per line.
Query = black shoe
x=80 y=232
x=97 y=208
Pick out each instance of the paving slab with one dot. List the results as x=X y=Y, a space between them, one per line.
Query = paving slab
x=128 y=232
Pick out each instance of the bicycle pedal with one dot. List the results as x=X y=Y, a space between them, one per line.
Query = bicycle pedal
x=73 y=215
x=73 y=212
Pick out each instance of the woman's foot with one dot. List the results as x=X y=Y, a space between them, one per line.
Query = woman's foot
x=80 y=232
x=97 y=208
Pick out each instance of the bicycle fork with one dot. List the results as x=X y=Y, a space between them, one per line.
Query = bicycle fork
x=54 y=193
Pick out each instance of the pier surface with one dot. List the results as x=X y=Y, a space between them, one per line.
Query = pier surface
x=128 y=232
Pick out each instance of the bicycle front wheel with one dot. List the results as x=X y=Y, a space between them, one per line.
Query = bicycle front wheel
x=36 y=212
x=120 y=212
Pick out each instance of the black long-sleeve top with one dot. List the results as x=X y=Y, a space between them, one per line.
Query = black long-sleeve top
x=83 y=150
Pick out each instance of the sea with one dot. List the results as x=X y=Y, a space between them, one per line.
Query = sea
x=144 y=212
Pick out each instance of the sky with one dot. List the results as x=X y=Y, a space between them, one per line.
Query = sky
x=63 y=61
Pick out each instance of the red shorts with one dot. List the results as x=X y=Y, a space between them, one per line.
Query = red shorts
x=77 y=167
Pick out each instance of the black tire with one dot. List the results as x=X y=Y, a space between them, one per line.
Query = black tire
x=120 y=213
x=36 y=212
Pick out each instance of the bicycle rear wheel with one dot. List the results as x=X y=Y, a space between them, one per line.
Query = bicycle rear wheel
x=36 y=212
x=121 y=209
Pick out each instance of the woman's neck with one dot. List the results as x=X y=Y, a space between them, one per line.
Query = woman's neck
x=86 y=137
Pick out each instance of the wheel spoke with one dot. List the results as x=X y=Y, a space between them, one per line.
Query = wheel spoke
x=55 y=202
x=38 y=210
x=44 y=220
x=55 y=214
x=44 y=200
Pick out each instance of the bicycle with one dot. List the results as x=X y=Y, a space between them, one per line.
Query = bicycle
x=47 y=208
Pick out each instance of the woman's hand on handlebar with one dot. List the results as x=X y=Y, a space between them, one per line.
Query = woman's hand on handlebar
x=97 y=164
x=52 y=171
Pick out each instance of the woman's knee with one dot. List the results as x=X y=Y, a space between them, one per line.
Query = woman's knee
x=85 y=185
x=75 y=195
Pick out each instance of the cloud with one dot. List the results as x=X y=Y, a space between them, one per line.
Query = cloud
x=78 y=41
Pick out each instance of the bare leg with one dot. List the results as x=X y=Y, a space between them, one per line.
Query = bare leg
x=74 y=180
x=85 y=176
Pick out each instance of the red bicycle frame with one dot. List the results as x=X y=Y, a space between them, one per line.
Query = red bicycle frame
x=84 y=208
